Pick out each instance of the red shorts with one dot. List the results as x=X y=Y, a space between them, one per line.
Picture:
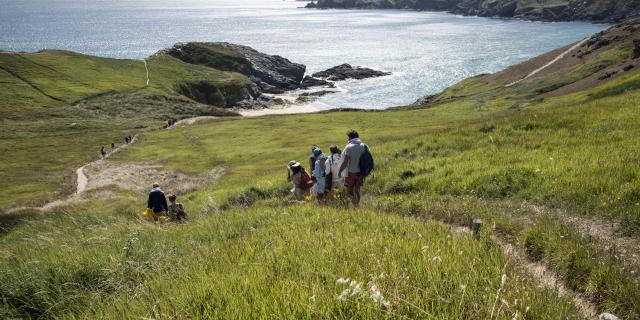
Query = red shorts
x=354 y=180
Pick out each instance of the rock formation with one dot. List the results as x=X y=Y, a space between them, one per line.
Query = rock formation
x=346 y=71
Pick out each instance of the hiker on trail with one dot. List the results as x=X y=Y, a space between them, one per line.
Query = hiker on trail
x=302 y=183
x=126 y=140
x=130 y=139
x=176 y=210
x=352 y=162
x=103 y=153
x=312 y=158
x=333 y=168
x=113 y=146
x=319 y=173
x=157 y=202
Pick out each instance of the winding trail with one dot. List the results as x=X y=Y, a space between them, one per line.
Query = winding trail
x=545 y=277
x=548 y=64
x=81 y=183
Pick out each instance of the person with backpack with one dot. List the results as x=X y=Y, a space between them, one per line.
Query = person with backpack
x=157 y=202
x=319 y=173
x=358 y=162
x=335 y=180
x=301 y=180
x=313 y=158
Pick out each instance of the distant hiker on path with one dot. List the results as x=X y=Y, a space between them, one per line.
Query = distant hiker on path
x=333 y=168
x=126 y=140
x=319 y=173
x=176 y=210
x=358 y=162
x=113 y=146
x=302 y=183
x=157 y=202
x=103 y=153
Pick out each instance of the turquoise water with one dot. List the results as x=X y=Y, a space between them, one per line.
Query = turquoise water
x=425 y=51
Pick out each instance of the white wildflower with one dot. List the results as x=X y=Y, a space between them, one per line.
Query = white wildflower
x=356 y=289
x=343 y=281
x=377 y=296
x=345 y=293
x=463 y=287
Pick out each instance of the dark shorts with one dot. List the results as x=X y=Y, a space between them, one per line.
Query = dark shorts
x=353 y=180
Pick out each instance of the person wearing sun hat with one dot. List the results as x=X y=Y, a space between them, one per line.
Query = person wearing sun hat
x=300 y=180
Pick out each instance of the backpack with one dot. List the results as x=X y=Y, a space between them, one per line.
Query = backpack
x=366 y=162
x=306 y=182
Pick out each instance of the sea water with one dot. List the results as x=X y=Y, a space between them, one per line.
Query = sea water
x=424 y=51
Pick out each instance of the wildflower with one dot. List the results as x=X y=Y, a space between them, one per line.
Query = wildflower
x=356 y=289
x=376 y=296
x=463 y=287
x=345 y=293
x=343 y=281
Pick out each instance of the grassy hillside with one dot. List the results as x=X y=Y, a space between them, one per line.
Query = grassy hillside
x=249 y=252
x=59 y=107
x=551 y=173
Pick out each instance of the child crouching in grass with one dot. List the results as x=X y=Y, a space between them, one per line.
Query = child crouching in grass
x=176 y=210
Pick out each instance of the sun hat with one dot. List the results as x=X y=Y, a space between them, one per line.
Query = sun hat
x=293 y=164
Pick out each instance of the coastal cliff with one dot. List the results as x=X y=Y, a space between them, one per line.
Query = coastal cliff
x=540 y=10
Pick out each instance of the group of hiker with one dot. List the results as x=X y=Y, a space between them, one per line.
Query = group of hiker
x=159 y=209
x=331 y=173
x=103 y=151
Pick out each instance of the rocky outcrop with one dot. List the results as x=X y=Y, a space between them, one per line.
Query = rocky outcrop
x=563 y=10
x=346 y=71
x=309 y=82
x=207 y=92
x=271 y=73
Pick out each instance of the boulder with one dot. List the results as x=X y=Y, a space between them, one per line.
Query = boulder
x=308 y=82
x=317 y=93
x=346 y=71
x=262 y=102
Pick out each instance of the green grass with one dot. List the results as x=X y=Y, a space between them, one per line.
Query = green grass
x=279 y=261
